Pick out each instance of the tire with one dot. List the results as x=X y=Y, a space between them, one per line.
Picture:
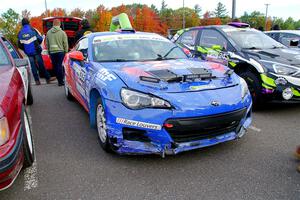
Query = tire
x=67 y=91
x=255 y=88
x=100 y=119
x=29 y=95
x=28 y=147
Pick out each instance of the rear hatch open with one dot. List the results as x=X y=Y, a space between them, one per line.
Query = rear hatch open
x=69 y=24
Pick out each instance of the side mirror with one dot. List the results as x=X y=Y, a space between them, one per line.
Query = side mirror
x=76 y=55
x=21 y=62
x=294 y=43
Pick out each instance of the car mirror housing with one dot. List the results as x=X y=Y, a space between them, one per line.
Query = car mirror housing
x=76 y=55
x=294 y=43
x=19 y=62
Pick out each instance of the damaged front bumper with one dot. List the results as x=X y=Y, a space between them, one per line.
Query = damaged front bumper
x=161 y=142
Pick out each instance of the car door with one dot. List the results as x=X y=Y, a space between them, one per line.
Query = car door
x=188 y=40
x=213 y=46
x=79 y=72
x=24 y=70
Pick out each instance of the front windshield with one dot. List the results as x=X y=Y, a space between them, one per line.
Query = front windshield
x=122 y=48
x=252 y=39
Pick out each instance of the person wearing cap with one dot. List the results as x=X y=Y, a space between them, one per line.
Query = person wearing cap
x=29 y=41
x=57 y=44
x=85 y=29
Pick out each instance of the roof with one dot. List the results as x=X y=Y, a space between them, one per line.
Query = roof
x=297 y=32
x=118 y=33
x=49 y=18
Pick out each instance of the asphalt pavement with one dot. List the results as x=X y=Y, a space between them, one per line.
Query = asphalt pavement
x=70 y=163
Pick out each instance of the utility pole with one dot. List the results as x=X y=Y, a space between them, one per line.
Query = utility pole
x=46 y=8
x=183 y=16
x=233 y=9
x=267 y=7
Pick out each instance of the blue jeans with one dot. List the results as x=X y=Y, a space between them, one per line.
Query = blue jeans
x=57 y=60
x=37 y=64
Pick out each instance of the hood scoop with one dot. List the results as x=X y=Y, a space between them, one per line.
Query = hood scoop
x=169 y=76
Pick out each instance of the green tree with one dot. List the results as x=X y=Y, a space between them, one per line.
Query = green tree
x=163 y=5
x=255 y=19
x=9 y=25
x=154 y=8
x=220 y=11
x=288 y=24
x=197 y=9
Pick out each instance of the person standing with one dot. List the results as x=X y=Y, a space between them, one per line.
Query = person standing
x=57 y=44
x=29 y=41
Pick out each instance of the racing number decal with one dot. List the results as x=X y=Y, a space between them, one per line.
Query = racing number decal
x=106 y=76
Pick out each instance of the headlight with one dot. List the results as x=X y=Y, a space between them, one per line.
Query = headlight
x=284 y=70
x=4 y=131
x=138 y=100
x=244 y=88
x=280 y=69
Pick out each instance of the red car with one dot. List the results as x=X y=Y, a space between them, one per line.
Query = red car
x=70 y=25
x=16 y=145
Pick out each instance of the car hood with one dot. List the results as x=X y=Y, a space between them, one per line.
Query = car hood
x=131 y=72
x=287 y=56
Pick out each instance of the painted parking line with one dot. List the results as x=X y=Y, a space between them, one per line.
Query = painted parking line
x=31 y=177
x=31 y=173
x=253 y=128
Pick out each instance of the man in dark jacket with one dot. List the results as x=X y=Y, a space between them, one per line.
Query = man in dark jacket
x=29 y=41
x=57 y=44
x=86 y=29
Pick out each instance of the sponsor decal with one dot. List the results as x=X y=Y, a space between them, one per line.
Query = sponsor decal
x=138 y=124
x=110 y=38
x=105 y=75
x=202 y=87
x=80 y=78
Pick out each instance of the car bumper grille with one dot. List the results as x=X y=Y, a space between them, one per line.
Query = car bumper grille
x=198 y=128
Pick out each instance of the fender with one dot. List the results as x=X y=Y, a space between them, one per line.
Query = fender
x=23 y=71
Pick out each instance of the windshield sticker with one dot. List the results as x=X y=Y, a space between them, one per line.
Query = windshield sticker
x=110 y=38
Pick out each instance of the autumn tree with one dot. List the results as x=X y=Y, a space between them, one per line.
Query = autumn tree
x=77 y=12
x=58 y=12
x=209 y=20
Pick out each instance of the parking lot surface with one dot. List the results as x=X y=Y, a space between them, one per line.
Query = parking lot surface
x=70 y=163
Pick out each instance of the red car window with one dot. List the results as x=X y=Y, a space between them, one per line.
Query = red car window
x=4 y=59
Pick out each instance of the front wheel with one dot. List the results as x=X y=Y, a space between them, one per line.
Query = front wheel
x=255 y=88
x=67 y=90
x=28 y=148
x=101 y=127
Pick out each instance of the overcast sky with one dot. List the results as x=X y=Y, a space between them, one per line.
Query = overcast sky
x=279 y=8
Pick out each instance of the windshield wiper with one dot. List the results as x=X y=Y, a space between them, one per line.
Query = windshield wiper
x=276 y=47
x=160 y=57
x=252 y=48
x=116 y=60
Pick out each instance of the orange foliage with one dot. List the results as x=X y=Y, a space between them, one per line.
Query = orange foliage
x=104 y=19
x=36 y=22
x=208 y=20
x=58 y=12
